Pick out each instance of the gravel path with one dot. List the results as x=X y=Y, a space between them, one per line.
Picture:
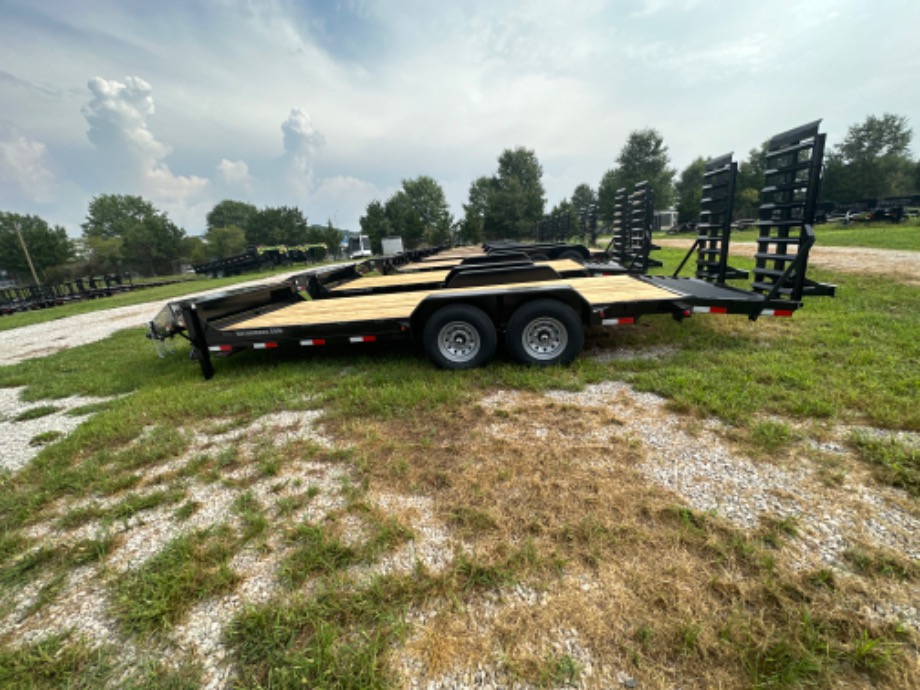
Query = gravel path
x=897 y=264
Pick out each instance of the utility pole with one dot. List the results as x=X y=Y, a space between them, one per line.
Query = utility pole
x=25 y=250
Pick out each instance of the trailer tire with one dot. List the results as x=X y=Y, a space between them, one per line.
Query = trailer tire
x=543 y=333
x=572 y=255
x=460 y=336
x=539 y=257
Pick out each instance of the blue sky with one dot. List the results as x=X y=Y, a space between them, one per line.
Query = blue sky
x=329 y=105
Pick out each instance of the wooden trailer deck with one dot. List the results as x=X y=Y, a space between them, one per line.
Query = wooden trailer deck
x=421 y=278
x=400 y=305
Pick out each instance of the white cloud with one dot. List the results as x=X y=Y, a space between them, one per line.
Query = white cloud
x=235 y=175
x=24 y=168
x=301 y=142
x=343 y=200
x=118 y=115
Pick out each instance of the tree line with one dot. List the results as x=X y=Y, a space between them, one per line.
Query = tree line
x=873 y=161
x=126 y=233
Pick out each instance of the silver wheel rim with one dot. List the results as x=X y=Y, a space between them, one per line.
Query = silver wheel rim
x=458 y=341
x=545 y=338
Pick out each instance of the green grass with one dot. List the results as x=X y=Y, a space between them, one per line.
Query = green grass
x=850 y=360
x=876 y=235
x=189 y=569
x=36 y=413
x=903 y=236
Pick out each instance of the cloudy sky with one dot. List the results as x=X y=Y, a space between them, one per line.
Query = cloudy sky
x=329 y=104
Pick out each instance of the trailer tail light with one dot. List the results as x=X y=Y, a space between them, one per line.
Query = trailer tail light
x=220 y=348
x=776 y=312
x=311 y=342
x=265 y=346
x=363 y=339
x=710 y=310
x=623 y=320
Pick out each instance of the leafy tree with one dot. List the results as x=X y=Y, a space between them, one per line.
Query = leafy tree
x=474 y=212
x=49 y=247
x=749 y=183
x=195 y=250
x=271 y=226
x=873 y=161
x=375 y=225
x=332 y=238
x=690 y=191
x=102 y=255
x=516 y=199
x=606 y=195
x=151 y=243
x=224 y=241
x=583 y=199
x=427 y=199
x=643 y=157
x=229 y=213
x=404 y=219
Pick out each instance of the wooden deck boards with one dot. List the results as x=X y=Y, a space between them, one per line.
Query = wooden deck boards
x=400 y=305
x=431 y=277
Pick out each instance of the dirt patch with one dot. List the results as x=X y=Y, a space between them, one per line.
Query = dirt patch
x=900 y=265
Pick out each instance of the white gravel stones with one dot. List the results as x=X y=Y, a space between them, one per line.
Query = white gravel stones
x=711 y=476
x=16 y=446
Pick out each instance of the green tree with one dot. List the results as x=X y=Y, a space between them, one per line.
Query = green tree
x=49 y=247
x=427 y=199
x=690 y=191
x=225 y=241
x=195 y=250
x=151 y=243
x=749 y=182
x=583 y=199
x=606 y=195
x=229 y=213
x=873 y=161
x=332 y=238
x=375 y=225
x=272 y=226
x=474 y=211
x=404 y=219
x=643 y=157
x=516 y=199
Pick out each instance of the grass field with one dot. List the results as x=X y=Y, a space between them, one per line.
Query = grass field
x=904 y=235
x=447 y=521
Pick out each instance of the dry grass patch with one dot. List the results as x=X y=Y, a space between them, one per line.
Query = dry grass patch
x=568 y=558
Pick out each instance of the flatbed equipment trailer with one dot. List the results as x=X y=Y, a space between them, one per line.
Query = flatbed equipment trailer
x=543 y=321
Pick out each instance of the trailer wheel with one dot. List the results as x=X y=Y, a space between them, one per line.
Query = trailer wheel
x=544 y=332
x=572 y=255
x=460 y=336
